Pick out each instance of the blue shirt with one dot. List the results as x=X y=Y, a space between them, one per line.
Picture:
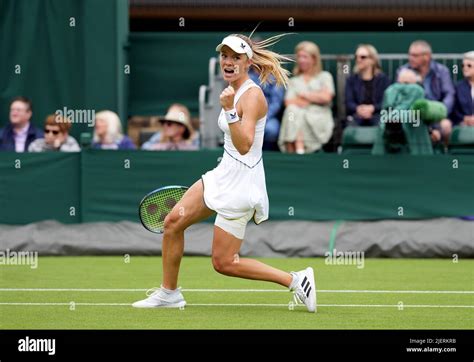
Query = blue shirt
x=274 y=93
x=124 y=144
x=427 y=86
x=438 y=84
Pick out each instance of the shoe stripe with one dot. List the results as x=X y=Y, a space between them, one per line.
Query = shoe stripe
x=307 y=285
x=303 y=286
x=304 y=280
x=309 y=291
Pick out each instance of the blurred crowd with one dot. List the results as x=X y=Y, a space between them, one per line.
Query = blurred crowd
x=300 y=118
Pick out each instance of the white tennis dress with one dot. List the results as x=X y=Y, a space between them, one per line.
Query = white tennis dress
x=237 y=185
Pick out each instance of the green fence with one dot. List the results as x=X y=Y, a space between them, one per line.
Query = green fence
x=108 y=186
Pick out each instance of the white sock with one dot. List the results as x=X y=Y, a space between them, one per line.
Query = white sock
x=300 y=151
x=294 y=282
x=168 y=291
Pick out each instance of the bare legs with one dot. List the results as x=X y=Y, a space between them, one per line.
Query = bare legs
x=225 y=248
x=225 y=259
x=189 y=210
x=296 y=146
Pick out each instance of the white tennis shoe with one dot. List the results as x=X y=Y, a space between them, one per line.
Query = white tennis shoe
x=304 y=288
x=161 y=298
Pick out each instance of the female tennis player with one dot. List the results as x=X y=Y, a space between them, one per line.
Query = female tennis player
x=235 y=189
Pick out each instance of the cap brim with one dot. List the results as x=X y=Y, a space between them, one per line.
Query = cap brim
x=234 y=47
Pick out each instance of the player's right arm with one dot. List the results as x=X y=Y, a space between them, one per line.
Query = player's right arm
x=252 y=103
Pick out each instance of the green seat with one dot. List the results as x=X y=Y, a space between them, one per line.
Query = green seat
x=358 y=140
x=462 y=140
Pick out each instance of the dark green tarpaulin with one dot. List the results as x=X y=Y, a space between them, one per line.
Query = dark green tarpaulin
x=39 y=186
x=108 y=185
x=64 y=53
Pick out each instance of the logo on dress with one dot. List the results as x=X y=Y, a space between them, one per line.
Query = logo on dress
x=232 y=115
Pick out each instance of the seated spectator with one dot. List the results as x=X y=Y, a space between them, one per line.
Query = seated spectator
x=364 y=89
x=436 y=81
x=56 y=136
x=274 y=95
x=402 y=126
x=20 y=132
x=463 y=113
x=307 y=122
x=408 y=76
x=177 y=133
x=108 y=133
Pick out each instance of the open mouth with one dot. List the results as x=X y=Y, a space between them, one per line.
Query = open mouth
x=229 y=71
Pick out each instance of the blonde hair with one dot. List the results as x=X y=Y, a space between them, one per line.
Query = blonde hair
x=267 y=62
x=313 y=50
x=114 y=126
x=374 y=55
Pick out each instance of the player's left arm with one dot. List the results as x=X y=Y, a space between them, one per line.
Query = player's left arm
x=253 y=104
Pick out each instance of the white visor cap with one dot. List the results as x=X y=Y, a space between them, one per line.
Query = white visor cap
x=237 y=44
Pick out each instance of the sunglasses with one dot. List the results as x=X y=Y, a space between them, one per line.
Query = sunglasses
x=361 y=56
x=168 y=123
x=52 y=131
x=467 y=65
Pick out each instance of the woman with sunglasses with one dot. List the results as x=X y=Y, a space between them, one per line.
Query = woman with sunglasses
x=463 y=113
x=365 y=88
x=56 y=136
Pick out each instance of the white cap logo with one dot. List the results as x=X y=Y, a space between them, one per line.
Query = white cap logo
x=237 y=44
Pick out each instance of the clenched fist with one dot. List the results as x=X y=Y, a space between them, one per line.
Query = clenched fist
x=227 y=98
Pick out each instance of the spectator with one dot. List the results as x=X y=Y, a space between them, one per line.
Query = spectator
x=19 y=133
x=307 y=122
x=436 y=81
x=108 y=133
x=364 y=89
x=408 y=76
x=274 y=95
x=401 y=126
x=177 y=133
x=463 y=113
x=56 y=136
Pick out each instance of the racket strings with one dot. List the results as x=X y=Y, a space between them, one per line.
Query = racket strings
x=156 y=206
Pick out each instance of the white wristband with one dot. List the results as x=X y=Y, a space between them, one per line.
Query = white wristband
x=232 y=116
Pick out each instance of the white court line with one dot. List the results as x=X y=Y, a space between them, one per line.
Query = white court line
x=238 y=290
x=246 y=305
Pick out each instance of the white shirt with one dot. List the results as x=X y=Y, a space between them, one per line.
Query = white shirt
x=20 y=138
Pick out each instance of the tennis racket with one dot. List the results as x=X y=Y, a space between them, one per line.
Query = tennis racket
x=157 y=204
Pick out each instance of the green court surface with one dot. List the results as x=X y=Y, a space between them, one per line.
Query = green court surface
x=96 y=293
